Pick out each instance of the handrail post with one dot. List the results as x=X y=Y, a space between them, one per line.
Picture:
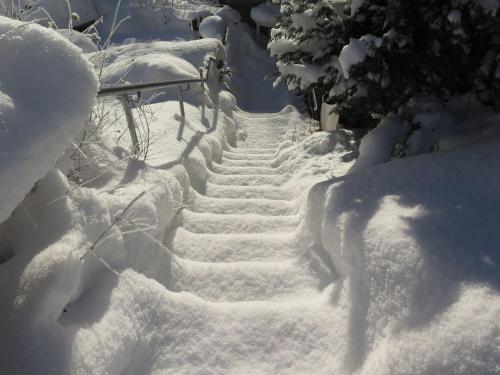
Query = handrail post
x=181 y=101
x=127 y=108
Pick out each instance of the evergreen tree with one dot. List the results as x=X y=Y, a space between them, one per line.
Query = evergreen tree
x=377 y=54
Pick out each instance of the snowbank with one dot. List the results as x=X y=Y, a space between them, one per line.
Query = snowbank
x=417 y=252
x=229 y=15
x=141 y=21
x=61 y=304
x=83 y=41
x=59 y=13
x=143 y=62
x=47 y=91
x=426 y=125
x=265 y=14
x=213 y=27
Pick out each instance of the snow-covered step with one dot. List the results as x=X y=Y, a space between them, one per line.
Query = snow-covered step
x=240 y=156
x=246 y=180
x=252 y=223
x=240 y=192
x=200 y=203
x=246 y=163
x=255 y=337
x=243 y=170
x=207 y=247
x=248 y=281
x=252 y=150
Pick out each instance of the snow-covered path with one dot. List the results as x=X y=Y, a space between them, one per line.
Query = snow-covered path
x=241 y=251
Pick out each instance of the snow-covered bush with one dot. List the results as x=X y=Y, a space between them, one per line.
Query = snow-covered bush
x=47 y=92
x=374 y=56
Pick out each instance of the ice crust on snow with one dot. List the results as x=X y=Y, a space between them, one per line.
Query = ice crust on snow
x=37 y=62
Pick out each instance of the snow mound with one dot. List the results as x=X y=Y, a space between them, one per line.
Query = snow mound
x=417 y=252
x=139 y=62
x=59 y=13
x=83 y=41
x=46 y=93
x=377 y=146
x=141 y=21
x=229 y=15
x=213 y=27
x=319 y=156
x=265 y=14
x=149 y=67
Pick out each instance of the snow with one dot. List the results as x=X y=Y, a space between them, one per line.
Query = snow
x=304 y=21
x=229 y=15
x=351 y=54
x=490 y=5
x=38 y=62
x=307 y=73
x=455 y=16
x=213 y=27
x=355 y=5
x=377 y=146
x=194 y=52
x=83 y=41
x=420 y=272
x=133 y=22
x=250 y=66
x=238 y=240
x=265 y=14
x=157 y=61
x=59 y=13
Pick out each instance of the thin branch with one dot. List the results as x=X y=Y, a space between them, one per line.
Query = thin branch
x=117 y=219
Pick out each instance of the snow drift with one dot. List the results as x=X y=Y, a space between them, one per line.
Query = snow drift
x=38 y=63
x=416 y=246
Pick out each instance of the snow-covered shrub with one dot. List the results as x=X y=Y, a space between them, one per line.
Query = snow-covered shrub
x=373 y=56
x=47 y=91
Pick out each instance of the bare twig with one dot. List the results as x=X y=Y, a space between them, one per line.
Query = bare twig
x=117 y=219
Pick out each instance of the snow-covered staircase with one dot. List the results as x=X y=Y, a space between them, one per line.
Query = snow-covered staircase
x=239 y=251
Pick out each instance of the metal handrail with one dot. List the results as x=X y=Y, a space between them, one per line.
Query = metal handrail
x=118 y=90
x=138 y=87
x=123 y=93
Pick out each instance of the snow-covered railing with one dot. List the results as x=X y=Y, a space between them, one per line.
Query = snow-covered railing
x=123 y=92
